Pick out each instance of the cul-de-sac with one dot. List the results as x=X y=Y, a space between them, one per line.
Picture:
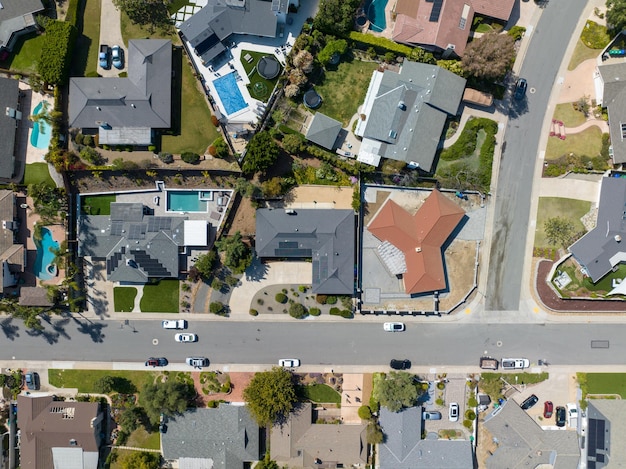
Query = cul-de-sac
x=312 y=234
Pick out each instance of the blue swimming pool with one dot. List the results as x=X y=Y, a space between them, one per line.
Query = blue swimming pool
x=229 y=93
x=375 y=11
x=44 y=267
x=40 y=137
x=185 y=201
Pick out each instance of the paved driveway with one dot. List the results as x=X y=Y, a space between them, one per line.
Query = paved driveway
x=111 y=34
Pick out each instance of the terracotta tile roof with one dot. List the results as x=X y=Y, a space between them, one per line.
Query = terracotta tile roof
x=420 y=238
x=499 y=9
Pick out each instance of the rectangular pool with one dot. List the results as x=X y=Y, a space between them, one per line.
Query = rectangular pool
x=185 y=201
x=229 y=93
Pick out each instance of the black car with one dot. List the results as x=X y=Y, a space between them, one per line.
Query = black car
x=560 y=416
x=162 y=361
x=400 y=364
x=529 y=402
x=520 y=89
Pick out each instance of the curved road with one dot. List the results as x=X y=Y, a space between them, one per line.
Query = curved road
x=549 y=41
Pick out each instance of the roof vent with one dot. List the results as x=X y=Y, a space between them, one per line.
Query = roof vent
x=73 y=442
x=418 y=249
x=402 y=106
x=393 y=133
x=618 y=238
x=98 y=108
x=133 y=106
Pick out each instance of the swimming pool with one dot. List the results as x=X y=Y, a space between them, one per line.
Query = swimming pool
x=375 y=10
x=40 y=137
x=185 y=201
x=44 y=267
x=229 y=93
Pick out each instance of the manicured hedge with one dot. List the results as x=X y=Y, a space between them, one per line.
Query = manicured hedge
x=414 y=53
x=54 y=62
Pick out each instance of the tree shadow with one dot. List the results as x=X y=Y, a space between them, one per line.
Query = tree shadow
x=9 y=329
x=93 y=329
x=256 y=271
x=48 y=336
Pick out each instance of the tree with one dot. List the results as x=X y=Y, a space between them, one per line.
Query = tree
x=104 y=385
x=272 y=187
x=365 y=413
x=152 y=13
x=616 y=14
x=559 y=231
x=140 y=460
x=169 y=397
x=206 y=263
x=304 y=61
x=262 y=153
x=221 y=148
x=54 y=62
x=490 y=56
x=291 y=91
x=297 y=77
x=218 y=308
x=395 y=390
x=270 y=396
x=237 y=255
x=293 y=143
x=190 y=157
x=335 y=16
x=374 y=434
x=339 y=47
x=131 y=419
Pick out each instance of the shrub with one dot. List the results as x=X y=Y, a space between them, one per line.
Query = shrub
x=467 y=424
x=335 y=311
x=214 y=120
x=472 y=402
x=151 y=148
x=331 y=300
x=87 y=140
x=253 y=312
x=374 y=405
x=54 y=61
x=79 y=139
x=217 y=284
x=231 y=281
x=321 y=299
x=439 y=402
x=470 y=414
x=441 y=385
x=166 y=158
x=298 y=311
x=218 y=308
x=365 y=412
x=281 y=298
x=517 y=32
x=211 y=404
x=347 y=314
x=190 y=157
x=315 y=311
x=302 y=289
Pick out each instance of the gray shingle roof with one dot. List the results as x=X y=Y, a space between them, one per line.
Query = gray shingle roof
x=226 y=435
x=410 y=110
x=9 y=98
x=326 y=236
x=11 y=255
x=522 y=443
x=598 y=251
x=142 y=100
x=16 y=15
x=404 y=449
x=323 y=131
x=135 y=246
x=220 y=18
x=614 y=99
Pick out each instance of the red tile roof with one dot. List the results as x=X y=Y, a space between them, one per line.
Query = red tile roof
x=420 y=238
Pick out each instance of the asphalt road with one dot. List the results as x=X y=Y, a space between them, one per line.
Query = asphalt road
x=515 y=179
x=314 y=342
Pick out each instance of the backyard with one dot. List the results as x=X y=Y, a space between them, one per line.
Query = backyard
x=96 y=204
x=259 y=87
x=551 y=207
x=25 y=54
x=36 y=173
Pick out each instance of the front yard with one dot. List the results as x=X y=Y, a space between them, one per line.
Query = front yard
x=602 y=384
x=551 y=207
x=582 y=286
x=161 y=297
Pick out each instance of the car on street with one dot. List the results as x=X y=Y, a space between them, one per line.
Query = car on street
x=171 y=324
x=152 y=361
x=185 y=337
x=400 y=364
x=529 y=402
x=289 y=362
x=548 y=409
x=514 y=363
x=453 y=412
x=117 y=57
x=394 y=326
x=197 y=362
x=32 y=380
x=431 y=415
x=560 y=416
x=520 y=89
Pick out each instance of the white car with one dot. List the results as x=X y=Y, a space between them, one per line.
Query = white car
x=453 y=412
x=172 y=324
x=186 y=337
x=289 y=362
x=514 y=363
x=393 y=326
x=197 y=362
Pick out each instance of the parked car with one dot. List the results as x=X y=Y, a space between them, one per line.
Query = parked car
x=431 y=415
x=548 y=408
x=520 y=89
x=394 y=326
x=104 y=56
x=32 y=380
x=117 y=57
x=453 y=412
x=289 y=362
x=197 y=362
x=400 y=364
x=514 y=363
x=529 y=402
x=171 y=324
x=572 y=415
x=186 y=337
x=561 y=416
x=161 y=361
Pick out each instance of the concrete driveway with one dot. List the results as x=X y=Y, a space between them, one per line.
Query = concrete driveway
x=111 y=35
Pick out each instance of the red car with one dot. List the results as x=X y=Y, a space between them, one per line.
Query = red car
x=548 y=408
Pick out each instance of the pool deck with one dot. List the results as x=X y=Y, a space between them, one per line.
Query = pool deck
x=388 y=31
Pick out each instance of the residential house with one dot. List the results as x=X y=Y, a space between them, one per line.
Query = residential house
x=613 y=98
x=9 y=120
x=412 y=243
x=325 y=236
x=606 y=425
x=59 y=434
x=603 y=248
x=404 y=448
x=404 y=114
x=12 y=254
x=443 y=26
x=137 y=245
x=222 y=438
x=304 y=444
x=17 y=17
x=126 y=111
x=522 y=443
x=207 y=31
x=323 y=131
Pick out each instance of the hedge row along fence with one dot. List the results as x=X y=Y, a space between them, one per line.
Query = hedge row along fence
x=414 y=53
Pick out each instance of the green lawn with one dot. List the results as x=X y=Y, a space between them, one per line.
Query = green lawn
x=550 y=207
x=568 y=115
x=321 y=393
x=124 y=298
x=344 y=89
x=587 y=142
x=97 y=204
x=604 y=383
x=134 y=31
x=259 y=87
x=582 y=53
x=140 y=438
x=35 y=173
x=26 y=54
x=85 y=55
x=84 y=380
x=162 y=297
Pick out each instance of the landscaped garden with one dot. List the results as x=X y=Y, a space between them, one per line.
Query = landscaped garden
x=569 y=115
x=593 y=39
x=36 y=173
x=571 y=210
x=96 y=204
x=601 y=385
x=581 y=285
x=579 y=152
x=260 y=88
x=299 y=302
x=321 y=393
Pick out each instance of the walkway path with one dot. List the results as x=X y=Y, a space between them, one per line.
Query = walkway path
x=134 y=448
x=578 y=82
x=136 y=306
x=602 y=124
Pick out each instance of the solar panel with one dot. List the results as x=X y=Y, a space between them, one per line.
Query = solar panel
x=116 y=228
x=137 y=231
x=288 y=244
x=591 y=465
x=600 y=457
x=596 y=438
x=316 y=272
x=436 y=11
x=293 y=252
